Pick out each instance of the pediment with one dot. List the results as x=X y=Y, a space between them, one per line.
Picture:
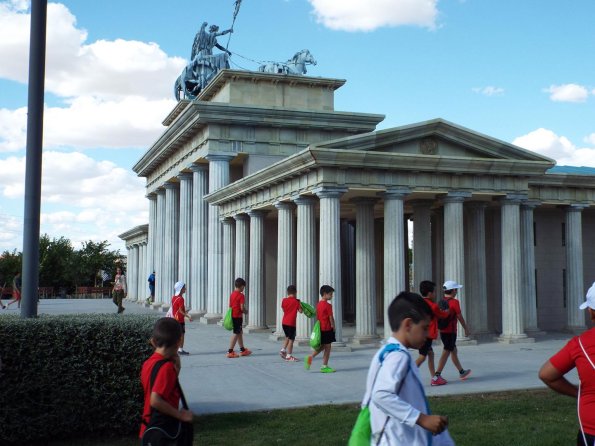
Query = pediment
x=435 y=138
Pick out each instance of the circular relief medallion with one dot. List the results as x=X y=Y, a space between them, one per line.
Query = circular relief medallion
x=428 y=146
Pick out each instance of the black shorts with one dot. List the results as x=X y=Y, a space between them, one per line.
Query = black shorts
x=237 y=324
x=289 y=332
x=327 y=337
x=427 y=347
x=449 y=340
x=581 y=442
x=183 y=325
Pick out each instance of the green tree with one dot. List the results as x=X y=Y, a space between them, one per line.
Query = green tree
x=10 y=262
x=56 y=262
x=91 y=258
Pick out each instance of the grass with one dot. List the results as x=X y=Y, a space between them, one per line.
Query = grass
x=527 y=418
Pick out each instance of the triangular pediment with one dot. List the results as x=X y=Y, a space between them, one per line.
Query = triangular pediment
x=437 y=137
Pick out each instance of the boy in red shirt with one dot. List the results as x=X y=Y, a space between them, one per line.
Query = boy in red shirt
x=324 y=313
x=427 y=290
x=179 y=311
x=448 y=335
x=291 y=306
x=237 y=303
x=164 y=395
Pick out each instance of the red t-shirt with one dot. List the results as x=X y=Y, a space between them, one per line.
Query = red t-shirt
x=455 y=309
x=178 y=308
x=290 y=306
x=437 y=313
x=236 y=300
x=164 y=385
x=572 y=356
x=324 y=311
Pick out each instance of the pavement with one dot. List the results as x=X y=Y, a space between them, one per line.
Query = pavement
x=263 y=381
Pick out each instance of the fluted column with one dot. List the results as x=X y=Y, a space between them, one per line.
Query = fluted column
x=256 y=295
x=512 y=309
x=330 y=250
x=365 y=271
x=141 y=289
x=197 y=286
x=529 y=293
x=394 y=248
x=218 y=178
x=438 y=246
x=285 y=257
x=150 y=261
x=242 y=255
x=172 y=235
x=574 y=268
x=228 y=256
x=160 y=291
x=185 y=237
x=475 y=255
x=454 y=247
x=131 y=281
x=307 y=268
x=422 y=242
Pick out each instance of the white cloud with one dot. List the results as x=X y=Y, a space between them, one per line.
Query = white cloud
x=489 y=90
x=567 y=93
x=590 y=139
x=357 y=15
x=560 y=148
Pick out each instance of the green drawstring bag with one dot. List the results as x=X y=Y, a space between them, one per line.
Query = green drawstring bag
x=227 y=322
x=315 y=337
x=309 y=310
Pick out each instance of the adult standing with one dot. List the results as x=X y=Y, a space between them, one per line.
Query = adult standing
x=120 y=290
x=16 y=290
x=579 y=352
x=151 y=281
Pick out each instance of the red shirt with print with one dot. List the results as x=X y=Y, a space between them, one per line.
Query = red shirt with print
x=164 y=386
x=178 y=308
x=437 y=313
x=236 y=300
x=324 y=311
x=290 y=306
x=455 y=309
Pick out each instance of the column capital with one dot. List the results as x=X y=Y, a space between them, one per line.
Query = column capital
x=302 y=200
x=476 y=204
x=241 y=217
x=530 y=204
x=221 y=156
x=160 y=190
x=257 y=213
x=227 y=220
x=330 y=191
x=393 y=193
x=421 y=203
x=575 y=207
x=284 y=205
x=151 y=196
x=199 y=167
x=456 y=196
x=170 y=185
x=184 y=176
x=362 y=201
x=513 y=198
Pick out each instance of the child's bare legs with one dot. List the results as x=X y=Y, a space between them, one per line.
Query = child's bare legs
x=327 y=354
x=289 y=346
x=232 y=341
x=182 y=342
x=442 y=362
x=420 y=360
x=455 y=359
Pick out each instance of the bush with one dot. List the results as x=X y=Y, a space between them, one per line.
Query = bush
x=68 y=376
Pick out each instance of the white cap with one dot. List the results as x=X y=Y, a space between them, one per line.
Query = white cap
x=451 y=285
x=590 y=302
x=178 y=287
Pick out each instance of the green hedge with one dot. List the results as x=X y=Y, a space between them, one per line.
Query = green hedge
x=69 y=376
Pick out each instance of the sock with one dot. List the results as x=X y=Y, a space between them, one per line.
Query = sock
x=462 y=371
x=323 y=366
x=230 y=350
x=242 y=349
x=437 y=373
x=283 y=350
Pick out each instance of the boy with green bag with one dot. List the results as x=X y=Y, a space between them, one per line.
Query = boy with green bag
x=237 y=303
x=324 y=314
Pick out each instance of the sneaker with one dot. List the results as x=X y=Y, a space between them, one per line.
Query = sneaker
x=182 y=352
x=233 y=355
x=465 y=374
x=307 y=362
x=246 y=352
x=291 y=358
x=282 y=354
x=438 y=381
x=327 y=369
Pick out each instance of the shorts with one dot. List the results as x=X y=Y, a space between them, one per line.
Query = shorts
x=449 y=340
x=327 y=337
x=183 y=325
x=427 y=347
x=581 y=442
x=289 y=332
x=237 y=324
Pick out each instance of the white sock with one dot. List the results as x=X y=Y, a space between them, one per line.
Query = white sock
x=283 y=350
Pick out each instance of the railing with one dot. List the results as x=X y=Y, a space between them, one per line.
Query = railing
x=92 y=292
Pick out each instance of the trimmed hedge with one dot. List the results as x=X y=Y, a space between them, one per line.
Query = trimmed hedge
x=71 y=376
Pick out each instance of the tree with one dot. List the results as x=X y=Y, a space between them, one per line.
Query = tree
x=91 y=258
x=56 y=262
x=10 y=262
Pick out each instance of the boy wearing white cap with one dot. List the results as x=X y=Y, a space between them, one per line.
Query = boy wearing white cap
x=448 y=334
x=178 y=309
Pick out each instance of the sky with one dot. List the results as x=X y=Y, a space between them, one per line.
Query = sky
x=520 y=71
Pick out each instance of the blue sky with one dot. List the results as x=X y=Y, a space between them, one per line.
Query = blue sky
x=520 y=71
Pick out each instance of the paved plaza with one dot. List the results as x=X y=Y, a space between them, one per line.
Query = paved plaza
x=263 y=381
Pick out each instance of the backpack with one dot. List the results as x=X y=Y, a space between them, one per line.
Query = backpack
x=443 y=323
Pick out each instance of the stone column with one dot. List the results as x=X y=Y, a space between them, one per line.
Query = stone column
x=218 y=178
x=475 y=255
x=307 y=268
x=197 y=286
x=575 y=294
x=394 y=248
x=438 y=246
x=256 y=296
x=365 y=272
x=145 y=273
x=160 y=296
x=131 y=278
x=228 y=258
x=285 y=258
x=529 y=293
x=141 y=289
x=172 y=235
x=512 y=310
x=185 y=238
x=242 y=255
x=348 y=268
x=150 y=262
x=422 y=242
x=330 y=250
x=454 y=247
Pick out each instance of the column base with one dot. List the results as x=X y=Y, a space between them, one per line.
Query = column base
x=365 y=340
x=210 y=319
x=156 y=306
x=340 y=347
x=302 y=342
x=197 y=314
x=253 y=329
x=532 y=332
x=276 y=337
x=515 y=339
x=465 y=340
x=576 y=330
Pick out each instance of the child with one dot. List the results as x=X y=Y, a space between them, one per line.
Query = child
x=179 y=311
x=449 y=335
x=237 y=303
x=291 y=306
x=164 y=395
x=399 y=413
x=16 y=290
x=428 y=291
x=324 y=313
